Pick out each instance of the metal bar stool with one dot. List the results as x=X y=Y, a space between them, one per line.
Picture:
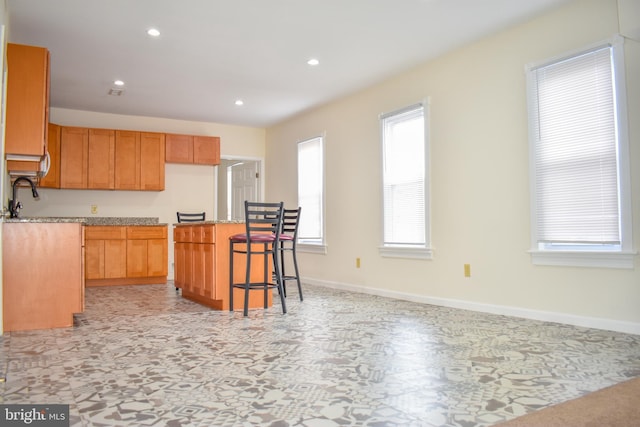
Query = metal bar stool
x=190 y=217
x=263 y=222
x=288 y=243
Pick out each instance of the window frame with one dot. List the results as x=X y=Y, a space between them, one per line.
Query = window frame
x=413 y=251
x=587 y=255
x=311 y=246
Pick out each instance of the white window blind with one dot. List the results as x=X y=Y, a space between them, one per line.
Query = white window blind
x=311 y=191
x=404 y=170
x=575 y=151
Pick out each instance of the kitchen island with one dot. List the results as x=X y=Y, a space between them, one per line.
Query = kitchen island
x=201 y=256
x=45 y=263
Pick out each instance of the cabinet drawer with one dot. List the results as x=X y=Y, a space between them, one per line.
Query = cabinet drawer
x=203 y=234
x=92 y=232
x=142 y=232
x=182 y=234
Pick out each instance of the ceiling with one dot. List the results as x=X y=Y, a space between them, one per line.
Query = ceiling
x=211 y=53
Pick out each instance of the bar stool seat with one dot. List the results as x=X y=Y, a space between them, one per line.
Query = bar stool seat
x=262 y=222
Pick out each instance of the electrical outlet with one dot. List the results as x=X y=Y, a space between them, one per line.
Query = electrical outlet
x=467 y=270
x=357 y=262
x=94 y=209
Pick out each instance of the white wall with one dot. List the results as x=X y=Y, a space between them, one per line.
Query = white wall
x=187 y=187
x=479 y=179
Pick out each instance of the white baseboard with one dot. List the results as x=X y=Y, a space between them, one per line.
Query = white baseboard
x=545 y=316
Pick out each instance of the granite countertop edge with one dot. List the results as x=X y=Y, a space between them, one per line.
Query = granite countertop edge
x=209 y=222
x=149 y=221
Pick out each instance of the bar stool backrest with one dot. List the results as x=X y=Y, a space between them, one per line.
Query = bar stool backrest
x=190 y=217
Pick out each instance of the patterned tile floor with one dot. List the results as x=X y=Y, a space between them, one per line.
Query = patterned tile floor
x=143 y=356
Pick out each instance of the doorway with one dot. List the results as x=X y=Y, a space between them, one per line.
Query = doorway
x=238 y=180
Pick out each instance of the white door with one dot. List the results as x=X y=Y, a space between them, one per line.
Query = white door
x=244 y=185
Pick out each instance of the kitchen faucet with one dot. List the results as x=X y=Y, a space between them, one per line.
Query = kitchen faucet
x=14 y=204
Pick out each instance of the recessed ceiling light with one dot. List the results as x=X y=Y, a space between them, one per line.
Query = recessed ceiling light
x=313 y=62
x=239 y=102
x=153 y=32
x=118 y=83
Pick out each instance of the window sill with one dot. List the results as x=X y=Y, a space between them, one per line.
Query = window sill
x=405 y=252
x=312 y=249
x=583 y=259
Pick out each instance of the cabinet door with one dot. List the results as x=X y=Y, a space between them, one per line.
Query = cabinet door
x=52 y=179
x=182 y=265
x=115 y=259
x=209 y=257
x=198 y=272
x=100 y=168
x=179 y=148
x=136 y=258
x=206 y=150
x=157 y=257
x=27 y=102
x=94 y=259
x=74 y=153
x=127 y=160
x=152 y=161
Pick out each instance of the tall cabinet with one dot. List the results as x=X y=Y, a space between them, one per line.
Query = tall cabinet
x=27 y=107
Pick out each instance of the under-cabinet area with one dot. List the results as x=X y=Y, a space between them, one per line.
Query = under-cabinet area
x=201 y=256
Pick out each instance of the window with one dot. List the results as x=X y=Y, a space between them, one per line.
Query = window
x=405 y=184
x=311 y=194
x=579 y=160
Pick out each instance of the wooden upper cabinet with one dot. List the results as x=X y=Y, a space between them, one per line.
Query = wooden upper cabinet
x=206 y=150
x=87 y=158
x=52 y=179
x=27 y=103
x=152 y=160
x=101 y=159
x=193 y=149
x=74 y=154
x=127 y=175
x=179 y=148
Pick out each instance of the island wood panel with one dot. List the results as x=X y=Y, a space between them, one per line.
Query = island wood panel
x=42 y=275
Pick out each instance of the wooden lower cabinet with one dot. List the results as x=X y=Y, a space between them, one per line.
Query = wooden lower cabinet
x=201 y=260
x=43 y=285
x=125 y=255
x=105 y=252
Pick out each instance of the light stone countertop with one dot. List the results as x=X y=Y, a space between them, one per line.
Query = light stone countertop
x=209 y=222
x=90 y=220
